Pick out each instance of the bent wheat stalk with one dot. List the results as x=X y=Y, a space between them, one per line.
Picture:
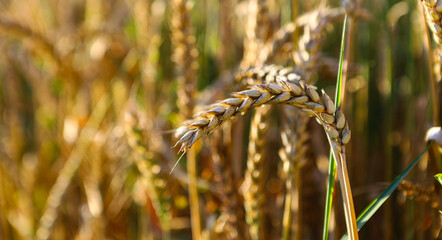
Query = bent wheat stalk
x=297 y=94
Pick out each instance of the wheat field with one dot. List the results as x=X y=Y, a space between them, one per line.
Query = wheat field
x=232 y=119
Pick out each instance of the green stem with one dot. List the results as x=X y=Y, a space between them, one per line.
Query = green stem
x=332 y=163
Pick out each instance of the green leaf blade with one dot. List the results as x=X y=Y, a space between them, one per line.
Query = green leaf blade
x=332 y=164
x=439 y=177
x=371 y=209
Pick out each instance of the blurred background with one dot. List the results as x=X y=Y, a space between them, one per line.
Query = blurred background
x=90 y=97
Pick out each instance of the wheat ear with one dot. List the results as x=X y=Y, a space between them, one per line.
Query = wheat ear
x=252 y=188
x=185 y=58
x=433 y=13
x=150 y=169
x=258 y=31
x=226 y=225
x=297 y=94
x=294 y=137
x=419 y=193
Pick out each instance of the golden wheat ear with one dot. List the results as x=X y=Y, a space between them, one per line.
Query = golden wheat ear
x=298 y=94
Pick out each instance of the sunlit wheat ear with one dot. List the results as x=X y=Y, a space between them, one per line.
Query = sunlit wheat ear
x=299 y=94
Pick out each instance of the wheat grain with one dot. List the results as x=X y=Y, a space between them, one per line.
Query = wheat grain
x=433 y=13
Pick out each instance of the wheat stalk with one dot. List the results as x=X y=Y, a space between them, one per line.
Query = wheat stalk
x=294 y=146
x=258 y=31
x=306 y=59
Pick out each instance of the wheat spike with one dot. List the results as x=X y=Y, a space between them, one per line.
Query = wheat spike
x=297 y=94
x=259 y=30
x=415 y=191
x=226 y=225
x=433 y=13
x=307 y=55
x=295 y=140
x=294 y=137
x=150 y=169
x=252 y=188
x=185 y=58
